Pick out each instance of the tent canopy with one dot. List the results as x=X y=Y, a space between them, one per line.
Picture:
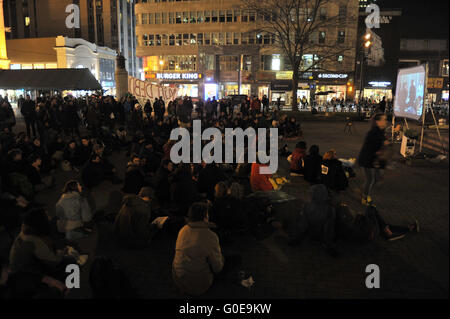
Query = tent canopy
x=49 y=79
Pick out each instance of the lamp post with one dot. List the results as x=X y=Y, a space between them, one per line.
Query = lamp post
x=366 y=44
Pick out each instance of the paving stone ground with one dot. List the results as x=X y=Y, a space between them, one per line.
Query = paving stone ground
x=413 y=267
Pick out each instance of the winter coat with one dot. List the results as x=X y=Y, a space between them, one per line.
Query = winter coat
x=373 y=143
x=333 y=175
x=31 y=253
x=132 y=225
x=72 y=210
x=198 y=257
x=312 y=169
x=208 y=178
x=297 y=158
x=258 y=181
x=134 y=180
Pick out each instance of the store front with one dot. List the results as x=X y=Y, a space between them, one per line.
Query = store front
x=281 y=90
x=335 y=84
x=445 y=95
x=211 y=90
x=263 y=90
x=187 y=83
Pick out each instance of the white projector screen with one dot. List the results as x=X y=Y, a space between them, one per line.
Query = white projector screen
x=410 y=92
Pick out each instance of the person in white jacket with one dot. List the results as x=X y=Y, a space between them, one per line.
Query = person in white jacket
x=73 y=211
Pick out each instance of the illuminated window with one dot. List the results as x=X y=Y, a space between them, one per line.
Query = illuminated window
x=276 y=62
x=27 y=66
x=27 y=21
x=39 y=66
x=14 y=66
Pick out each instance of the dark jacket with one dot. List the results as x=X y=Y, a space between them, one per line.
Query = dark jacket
x=372 y=144
x=208 y=178
x=312 y=169
x=132 y=225
x=333 y=175
x=134 y=180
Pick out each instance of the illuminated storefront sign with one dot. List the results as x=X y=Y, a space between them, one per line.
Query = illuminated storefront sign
x=379 y=84
x=332 y=76
x=178 y=76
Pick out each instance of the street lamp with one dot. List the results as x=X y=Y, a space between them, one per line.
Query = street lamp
x=366 y=44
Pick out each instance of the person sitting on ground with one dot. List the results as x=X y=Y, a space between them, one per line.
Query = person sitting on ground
x=297 y=158
x=183 y=189
x=134 y=177
x=34 y=175
x=73 y=212
x=70 y=153
x=32 y=249
x=97 y=170
x=208 y=177
x=161 y=182
x=317 y=220
x=198 y=255
x=258 y=180
x=292 y=128
x=312 y=165
x=83 y=151
x=133 y=225
x=333 y=174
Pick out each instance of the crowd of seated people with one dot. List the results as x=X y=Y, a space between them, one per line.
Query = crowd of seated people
x=204 y=202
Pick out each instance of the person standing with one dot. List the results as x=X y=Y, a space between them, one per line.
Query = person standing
x=28 y=111
x=382 y=105
x=371 y=155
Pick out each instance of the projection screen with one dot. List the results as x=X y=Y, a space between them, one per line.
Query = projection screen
x=410 y=92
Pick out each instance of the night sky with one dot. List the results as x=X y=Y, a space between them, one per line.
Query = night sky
x=427 y=18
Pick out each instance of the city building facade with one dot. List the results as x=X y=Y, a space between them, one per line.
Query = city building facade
x=63 y=52
x=376 y=66
x=434 y=53
x=106 y=23
x=209 y=48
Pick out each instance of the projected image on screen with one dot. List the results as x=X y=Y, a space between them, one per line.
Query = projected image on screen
x=409 y=96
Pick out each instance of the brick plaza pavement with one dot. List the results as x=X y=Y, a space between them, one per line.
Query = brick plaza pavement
x=413 y=267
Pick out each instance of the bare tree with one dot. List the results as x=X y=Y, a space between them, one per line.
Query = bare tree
x=296 y=27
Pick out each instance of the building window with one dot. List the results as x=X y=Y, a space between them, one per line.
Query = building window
x=193 y=38
x=342 y=13
x=158 y=40
x=163 y=18
x=244 y=38
x=341 y=37
x=179 y=40
x=322 y=35
x=214 y=16
x=178 y=17
x=259 y=38
x=229 y=15
x=157 y=18
x=251 y=38
x=171 y=18
x=165 y=39
x=323 y=13
x=207 y=16
x=221 y=38
x=245 y=16
x=340 y=58
x=200 y=17
x=193 y=16
x=237 y=16
x=172 y=39
x=445 y=68
x=221 y=16
x=145 y=40
x=266 y=38
x=185 y=39
x=207 y=38
x=229 y=38
x=236 y=38
x=252 y=16
x=185 y=17
x=200 y=38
